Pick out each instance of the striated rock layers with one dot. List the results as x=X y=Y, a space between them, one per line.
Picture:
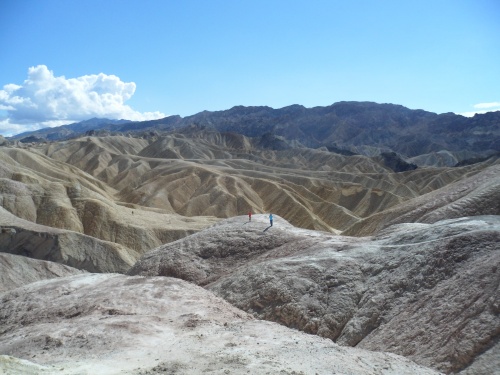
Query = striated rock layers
x=474 y=195
x=143 y=193
x=425 y=291
x=208 y=173
x=114 y=324
x=22 y=237
x=425 y=285
x=53 y=211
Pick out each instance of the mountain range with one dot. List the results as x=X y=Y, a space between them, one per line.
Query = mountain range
x=364 y=128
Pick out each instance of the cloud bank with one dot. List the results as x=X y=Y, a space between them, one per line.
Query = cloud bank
x=44 y=100
x=482 y=108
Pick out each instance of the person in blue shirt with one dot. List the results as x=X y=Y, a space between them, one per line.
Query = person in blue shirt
x=271 y=219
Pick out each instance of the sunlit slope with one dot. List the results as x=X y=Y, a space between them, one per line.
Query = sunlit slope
x=223 y=175
x=74 y=249
x=54 y=194
x=474 y=194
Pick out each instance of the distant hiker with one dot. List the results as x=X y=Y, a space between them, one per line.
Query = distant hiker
x=249 y=215
x=271 y=219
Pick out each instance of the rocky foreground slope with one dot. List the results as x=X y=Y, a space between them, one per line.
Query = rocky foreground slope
x=115 y=324
x=425 y=291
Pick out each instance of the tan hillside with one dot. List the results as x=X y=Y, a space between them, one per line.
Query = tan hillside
x=22 y=237
x=478 y=194
x=223 y=175
x=57 y=195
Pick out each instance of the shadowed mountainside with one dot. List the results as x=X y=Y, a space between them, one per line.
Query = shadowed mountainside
x=360 y=127
x=17 y=271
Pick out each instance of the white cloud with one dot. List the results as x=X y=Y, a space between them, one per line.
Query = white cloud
x=482 y=108
x=487 y=105
x=8 y=129
x=45 y=100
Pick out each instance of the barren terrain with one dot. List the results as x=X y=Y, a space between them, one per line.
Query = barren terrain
x=426 y=291
x=133 y=254
x=114 y=324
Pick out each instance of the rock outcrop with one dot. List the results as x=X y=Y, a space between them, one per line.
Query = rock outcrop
x=366 y=127
x=423 y=285
x=114 y=324
x=426 y=291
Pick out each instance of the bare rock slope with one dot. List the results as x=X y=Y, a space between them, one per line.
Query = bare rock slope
x=115 y=324
x=53 y=211
x=474 y=195
x=22 y=237
x=425 y=291
x=344 y=126
x=17 y=270
x=204 y=172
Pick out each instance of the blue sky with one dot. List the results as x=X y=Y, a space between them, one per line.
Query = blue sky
x=64 y=61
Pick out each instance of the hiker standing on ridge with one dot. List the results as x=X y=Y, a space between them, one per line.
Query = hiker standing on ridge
x=250 y=215
x=271 y=219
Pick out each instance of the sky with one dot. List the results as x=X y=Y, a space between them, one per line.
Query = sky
x=63 y=61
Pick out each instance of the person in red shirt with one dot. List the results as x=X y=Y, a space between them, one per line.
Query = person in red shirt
x=249 y=215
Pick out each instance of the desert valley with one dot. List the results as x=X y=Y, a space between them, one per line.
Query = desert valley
x=126 y=247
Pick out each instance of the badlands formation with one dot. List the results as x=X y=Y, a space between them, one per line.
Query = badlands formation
x=425 y=291
x=134 y=255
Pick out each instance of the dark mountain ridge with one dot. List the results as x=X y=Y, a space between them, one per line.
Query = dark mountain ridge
x=354 y=127
x=69 y=130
